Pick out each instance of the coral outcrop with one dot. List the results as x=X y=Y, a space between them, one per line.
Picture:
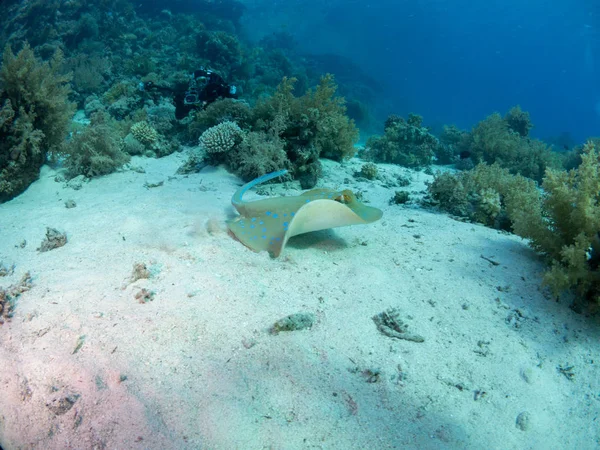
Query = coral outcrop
x=34 y=116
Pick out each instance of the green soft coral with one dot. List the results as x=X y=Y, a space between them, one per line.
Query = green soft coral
x=96 y=150
x=311 y=126
x=405 y=142
x=565 y=225
x=504 y=140
x=34 y=116
x=488 y=194
x=258 y=154
x=284 y=131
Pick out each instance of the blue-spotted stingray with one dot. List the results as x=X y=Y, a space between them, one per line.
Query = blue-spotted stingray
x=268 y=224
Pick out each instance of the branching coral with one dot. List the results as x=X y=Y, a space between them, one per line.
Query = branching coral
x=144 y=133
x=221 y=138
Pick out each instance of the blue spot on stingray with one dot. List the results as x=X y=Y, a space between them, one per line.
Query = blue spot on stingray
x=268 y=213
x=253 y=219
x=261 y=223
x=292 y=214
x=264 y=237
x=285 y=215
x=264 y=230
x=285 y=224
x=277 y=239
x=274 y=216
x=307 y=201
x=251 y=226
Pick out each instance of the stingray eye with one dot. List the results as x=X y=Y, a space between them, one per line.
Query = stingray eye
x=343 y=199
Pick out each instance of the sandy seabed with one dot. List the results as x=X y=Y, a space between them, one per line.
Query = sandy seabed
x=85 y=364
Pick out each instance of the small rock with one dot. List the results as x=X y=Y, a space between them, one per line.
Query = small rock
x=527 y=375
x=523 y=421
x=54 y=239
x=76 y=183
x=60 y=405
x=293 y=322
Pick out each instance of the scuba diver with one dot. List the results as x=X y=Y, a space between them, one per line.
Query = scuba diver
x=205 y=87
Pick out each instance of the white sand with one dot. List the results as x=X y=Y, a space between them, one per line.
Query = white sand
x=196 y=367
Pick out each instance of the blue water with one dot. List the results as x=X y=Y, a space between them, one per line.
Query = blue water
x=458 y=61
x=148 y=317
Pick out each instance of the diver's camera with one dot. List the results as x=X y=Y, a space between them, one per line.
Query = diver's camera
x=191 y=97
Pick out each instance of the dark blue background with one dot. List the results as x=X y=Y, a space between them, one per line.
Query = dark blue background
x=458 y=61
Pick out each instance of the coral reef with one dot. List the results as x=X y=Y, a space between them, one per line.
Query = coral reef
x=501 y=140
x=96 y=150
x=400 y=198
x=487 y=194
x=113 y=49
x=564 y=227
x=368 y=171
x=222 y=110
x=221 y=138
x=34 y=116
x=258 y=153
x=518 y=121
x=161 y=116
x=572 y=158
x=132 y=146
x=405 y=142
x=312 y=126
x=221 y=49
x=281 y=131
x=89 y=73
x=454 y=148
x=144 y=133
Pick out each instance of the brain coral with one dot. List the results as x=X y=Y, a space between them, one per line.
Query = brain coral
x=221 y=138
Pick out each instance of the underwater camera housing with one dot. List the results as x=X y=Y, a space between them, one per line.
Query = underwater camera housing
x=191 y=97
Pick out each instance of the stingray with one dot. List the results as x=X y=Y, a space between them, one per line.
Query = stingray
x=268 y=224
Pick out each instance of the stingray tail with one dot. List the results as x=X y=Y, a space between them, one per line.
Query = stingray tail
x=237 y=201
